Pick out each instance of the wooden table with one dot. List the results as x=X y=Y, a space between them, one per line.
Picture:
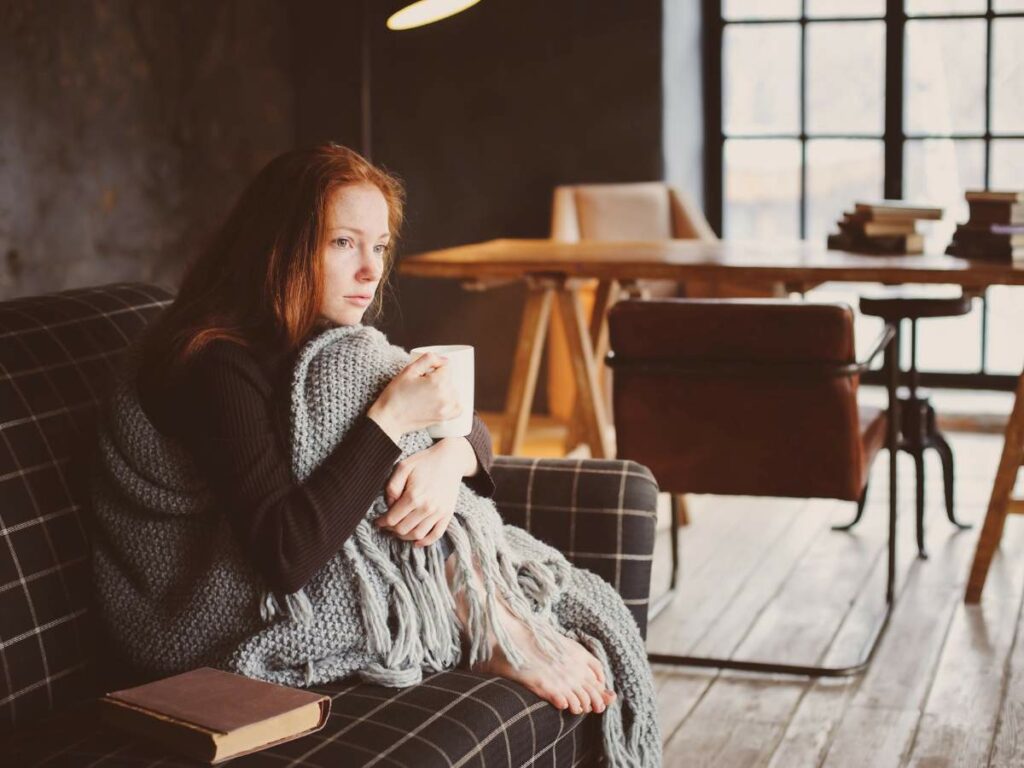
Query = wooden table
x=550 y=267
x=552 y=271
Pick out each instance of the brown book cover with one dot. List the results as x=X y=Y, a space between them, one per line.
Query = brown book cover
x=212 y=715
x=879 y=246
x=875 y=228
x=994 y=196
x=897 y=209
x=981 y=238
x=995 y=212
x=1012 y=256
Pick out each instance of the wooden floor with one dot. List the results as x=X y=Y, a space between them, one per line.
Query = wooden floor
x=767 y=579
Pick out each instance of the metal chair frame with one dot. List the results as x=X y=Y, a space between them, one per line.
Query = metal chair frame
x=889 y=343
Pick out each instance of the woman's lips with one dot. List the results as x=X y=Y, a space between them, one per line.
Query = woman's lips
x=359 y=301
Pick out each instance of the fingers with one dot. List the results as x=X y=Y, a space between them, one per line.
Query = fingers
x=426 y=363
x=425 y=526
x=396 y=485
x=398 y=512
x=413 y=520
x=434 y=534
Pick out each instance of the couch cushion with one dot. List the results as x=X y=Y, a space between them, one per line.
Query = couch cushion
x=56 y=352
x=453 y=718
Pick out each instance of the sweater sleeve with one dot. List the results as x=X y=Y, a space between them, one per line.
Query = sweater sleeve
x=480 y=439
x=289 y=529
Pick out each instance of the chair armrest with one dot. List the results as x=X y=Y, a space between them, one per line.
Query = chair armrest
x=599 y=513
x=884 y=340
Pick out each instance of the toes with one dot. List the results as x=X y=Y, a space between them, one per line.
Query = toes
x=609 y=696
x=597 y=669
x=583 y=694
x=575 y=706
x=596 y=699
x=553 y=695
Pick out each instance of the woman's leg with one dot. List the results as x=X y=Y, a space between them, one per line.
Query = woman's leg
x=575 y=683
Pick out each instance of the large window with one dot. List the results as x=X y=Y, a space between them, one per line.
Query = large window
x=815 y=103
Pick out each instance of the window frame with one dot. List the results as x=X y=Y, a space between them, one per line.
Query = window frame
x=893 y=136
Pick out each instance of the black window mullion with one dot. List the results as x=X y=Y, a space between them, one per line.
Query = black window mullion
x=714 y=139
x=988 y=108
x=803 y=119
x=895 y=24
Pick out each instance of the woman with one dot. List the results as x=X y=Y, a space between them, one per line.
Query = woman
x=309 y=247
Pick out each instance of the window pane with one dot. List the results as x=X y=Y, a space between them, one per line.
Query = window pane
x=1008 y=5
x=1007 y=169
x=1005 y=319
x=845 y=7
x=761 y=78
x=1008 y=76
x=924 y=7
x=838 y=172
x=940 y=171
x=946 y=343
x=761 y=9
x=762 y=188
x=846 y=77
x=945 y=81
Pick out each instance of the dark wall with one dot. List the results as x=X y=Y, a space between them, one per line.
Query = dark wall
x=482 y=115
x=128 y=128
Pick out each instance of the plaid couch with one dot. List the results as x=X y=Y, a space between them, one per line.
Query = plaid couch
x=56 y=354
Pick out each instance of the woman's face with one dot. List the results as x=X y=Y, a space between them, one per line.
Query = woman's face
x=354 y=251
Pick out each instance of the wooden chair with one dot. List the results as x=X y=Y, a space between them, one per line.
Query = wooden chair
x=751 y=397
x=1001 y=502
x=619 y=212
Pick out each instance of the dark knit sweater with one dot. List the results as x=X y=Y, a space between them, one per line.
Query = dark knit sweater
x=229 y=410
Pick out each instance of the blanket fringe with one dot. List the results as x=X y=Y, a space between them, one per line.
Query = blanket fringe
x=295 y=606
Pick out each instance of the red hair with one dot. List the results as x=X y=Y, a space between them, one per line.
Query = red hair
x=261 y=280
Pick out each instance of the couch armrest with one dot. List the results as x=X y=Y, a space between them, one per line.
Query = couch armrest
x=600 y=513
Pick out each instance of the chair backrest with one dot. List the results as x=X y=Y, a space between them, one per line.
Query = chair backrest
x=56 y=355
x=650 y=210
x=738 y=397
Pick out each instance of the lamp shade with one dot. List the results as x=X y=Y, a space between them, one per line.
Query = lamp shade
x=426 y=12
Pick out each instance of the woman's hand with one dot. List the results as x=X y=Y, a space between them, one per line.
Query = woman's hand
x=421 y=395
x=423 y=489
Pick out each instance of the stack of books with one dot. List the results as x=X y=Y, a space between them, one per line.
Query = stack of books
x=883 y=227
x=995 y=229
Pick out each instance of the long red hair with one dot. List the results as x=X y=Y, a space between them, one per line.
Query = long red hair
x=261 y=280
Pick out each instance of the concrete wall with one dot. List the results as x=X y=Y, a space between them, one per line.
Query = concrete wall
x=128 y=129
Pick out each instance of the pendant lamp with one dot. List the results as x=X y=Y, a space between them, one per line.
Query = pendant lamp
x=425 y=12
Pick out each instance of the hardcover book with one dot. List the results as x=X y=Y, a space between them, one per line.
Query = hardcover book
x=212 y=715
x=897 y=209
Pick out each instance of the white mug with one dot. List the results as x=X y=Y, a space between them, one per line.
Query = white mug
x=460 y=368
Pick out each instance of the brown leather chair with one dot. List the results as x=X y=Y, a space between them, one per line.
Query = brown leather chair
x=749 y=397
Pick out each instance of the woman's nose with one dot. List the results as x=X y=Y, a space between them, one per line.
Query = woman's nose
x=371 y=265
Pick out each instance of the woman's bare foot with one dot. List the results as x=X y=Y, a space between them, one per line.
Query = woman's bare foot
x=576 y=682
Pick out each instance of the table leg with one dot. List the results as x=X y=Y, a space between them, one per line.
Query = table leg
x=589 y=401
x=607 y=294
x=1000 y=500
x=532 y=332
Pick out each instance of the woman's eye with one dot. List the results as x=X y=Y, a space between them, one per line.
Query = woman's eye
x=342 y=242
x=381 y=249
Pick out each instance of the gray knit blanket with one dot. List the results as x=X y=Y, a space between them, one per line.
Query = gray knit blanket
x=175 y=591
